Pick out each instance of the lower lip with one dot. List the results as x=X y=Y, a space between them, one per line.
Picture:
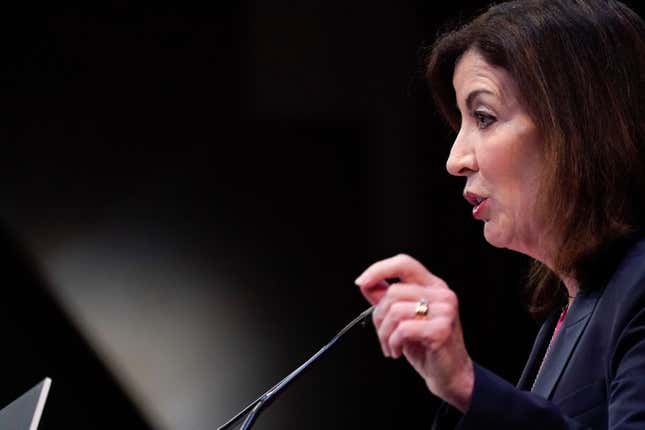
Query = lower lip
x=479 y=209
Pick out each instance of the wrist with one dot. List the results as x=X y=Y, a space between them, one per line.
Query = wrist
x=460 y=390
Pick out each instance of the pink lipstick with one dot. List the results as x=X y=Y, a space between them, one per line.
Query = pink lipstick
x=479 y=209
x=480 y=203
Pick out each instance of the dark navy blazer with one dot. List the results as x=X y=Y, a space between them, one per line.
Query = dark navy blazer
x=593 y=376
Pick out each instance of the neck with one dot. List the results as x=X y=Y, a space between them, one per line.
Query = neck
x=541 y=252
x=572 y=288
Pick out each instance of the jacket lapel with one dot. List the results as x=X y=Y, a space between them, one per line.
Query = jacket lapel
x=537 y=352
x=558 y=357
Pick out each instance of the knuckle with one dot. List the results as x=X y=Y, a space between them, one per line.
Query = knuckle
x=406 y=329
x=397 y=310
x=452 y=313
x=451 y=298
x=384 y=329
x=396 y=289
x=383 y=306
x=398 y=332
x=438 y=282
x=443 y=329
x=441 y=283
x=405 y=259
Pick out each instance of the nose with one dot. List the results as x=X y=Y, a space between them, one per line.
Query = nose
x=462 y=160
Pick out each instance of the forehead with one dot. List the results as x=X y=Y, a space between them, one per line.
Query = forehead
x=473 y=73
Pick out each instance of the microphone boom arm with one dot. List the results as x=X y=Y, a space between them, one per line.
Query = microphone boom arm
x=255 y=407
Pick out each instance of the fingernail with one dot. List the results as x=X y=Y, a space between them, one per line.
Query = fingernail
x=359 y=280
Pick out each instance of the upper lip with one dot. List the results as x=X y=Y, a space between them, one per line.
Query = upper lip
x=473 y=199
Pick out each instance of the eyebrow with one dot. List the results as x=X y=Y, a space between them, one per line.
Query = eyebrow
x=473 y=94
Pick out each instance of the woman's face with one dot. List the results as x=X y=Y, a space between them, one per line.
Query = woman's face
x=498 y=151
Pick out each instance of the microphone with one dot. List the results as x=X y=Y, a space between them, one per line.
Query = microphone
x=254 y=408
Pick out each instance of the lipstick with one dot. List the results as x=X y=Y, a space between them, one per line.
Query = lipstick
x=479 y=209
x=479 y=202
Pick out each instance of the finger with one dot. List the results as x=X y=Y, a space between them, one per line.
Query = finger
x=395 y=314
x=375 y=292
x=430 y=333
x=402 y=311
x=413 y=293
x=384 y=348
x=401 y=266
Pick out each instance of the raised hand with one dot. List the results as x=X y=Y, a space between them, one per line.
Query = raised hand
x=431 y=341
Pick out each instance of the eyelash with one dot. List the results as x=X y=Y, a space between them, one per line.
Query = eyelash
x=483 y=119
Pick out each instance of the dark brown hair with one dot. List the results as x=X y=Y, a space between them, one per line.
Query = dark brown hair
x=580 y=69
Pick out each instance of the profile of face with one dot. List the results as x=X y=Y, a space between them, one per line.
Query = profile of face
x=498 y=151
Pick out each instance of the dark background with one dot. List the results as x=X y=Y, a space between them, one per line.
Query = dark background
x=211 y=181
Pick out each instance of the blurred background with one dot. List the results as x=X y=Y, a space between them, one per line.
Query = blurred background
x=189 y=192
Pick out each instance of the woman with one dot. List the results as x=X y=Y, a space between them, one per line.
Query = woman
x=547 y=98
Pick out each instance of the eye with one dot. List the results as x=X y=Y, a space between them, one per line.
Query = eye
x=483 y=119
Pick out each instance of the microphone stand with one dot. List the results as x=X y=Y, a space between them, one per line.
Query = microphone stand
x=253 y=410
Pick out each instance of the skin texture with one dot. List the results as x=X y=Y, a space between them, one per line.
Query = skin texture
x=497 y=151
x=433 y=346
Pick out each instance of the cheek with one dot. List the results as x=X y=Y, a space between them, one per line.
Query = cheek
x=499 y=170
x=508 y=168
x=528 y=183
x=512 y=194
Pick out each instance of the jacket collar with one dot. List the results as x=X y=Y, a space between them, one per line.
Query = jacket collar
x=627 y=253
x=564 y=344
x=537 y=352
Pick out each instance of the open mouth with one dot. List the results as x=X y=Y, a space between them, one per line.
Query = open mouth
x=479 y=203
x=474 y=199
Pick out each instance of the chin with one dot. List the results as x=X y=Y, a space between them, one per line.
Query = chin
x=494 y=236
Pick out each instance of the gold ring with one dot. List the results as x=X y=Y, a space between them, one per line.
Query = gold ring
x=421 y=312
